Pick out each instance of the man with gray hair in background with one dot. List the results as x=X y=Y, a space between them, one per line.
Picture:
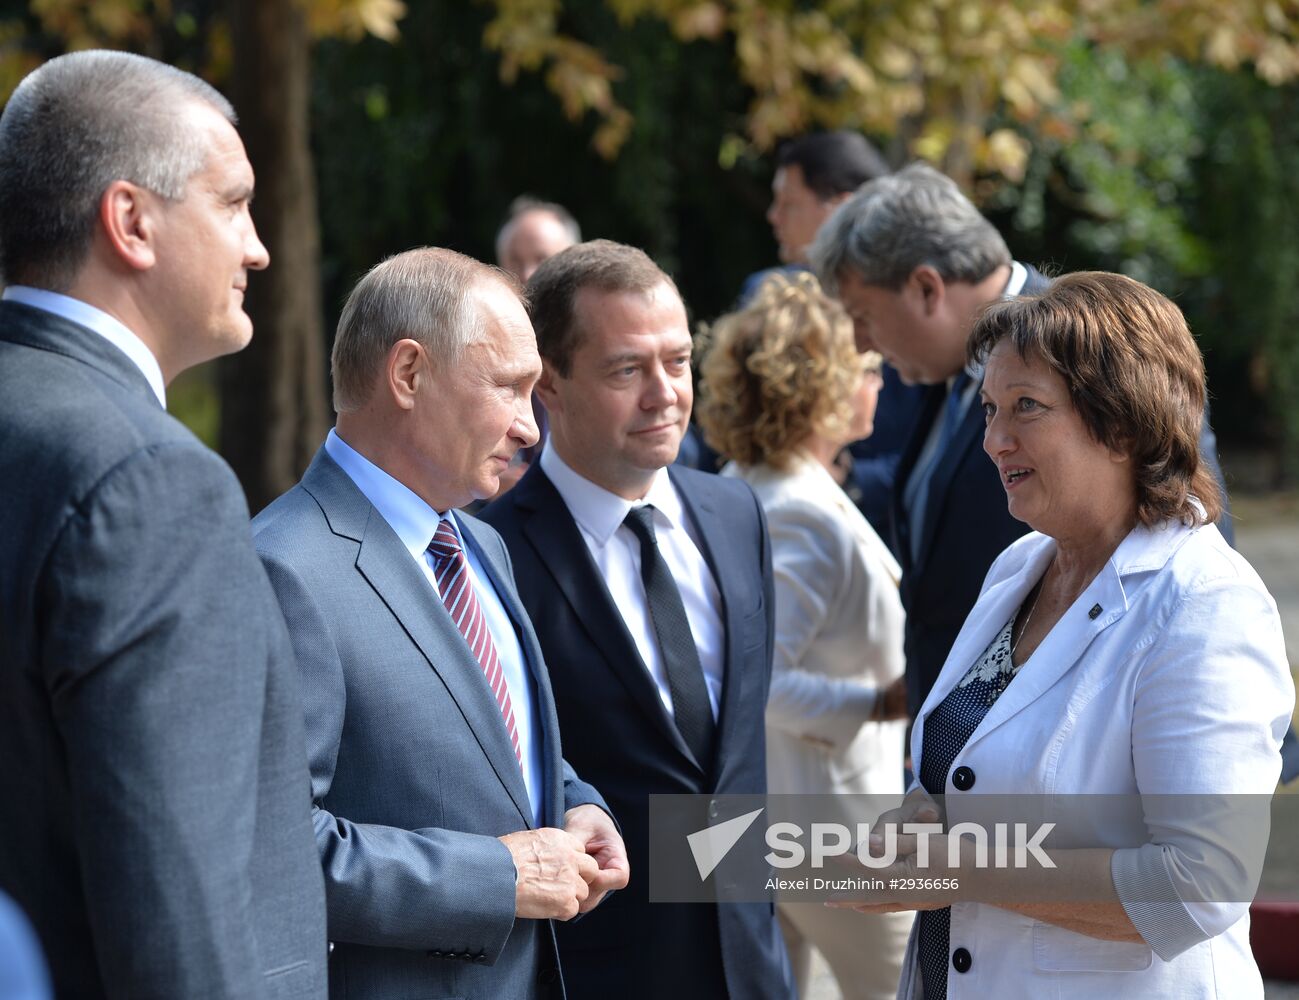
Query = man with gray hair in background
x=913 y=262
x=534 y=231
x=451 y=830
x=154 y=818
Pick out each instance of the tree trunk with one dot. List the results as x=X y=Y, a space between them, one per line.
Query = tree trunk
x=273 y=408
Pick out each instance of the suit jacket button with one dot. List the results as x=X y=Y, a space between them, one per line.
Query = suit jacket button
x=961 y=960
x=963 y=779
x=548 y=976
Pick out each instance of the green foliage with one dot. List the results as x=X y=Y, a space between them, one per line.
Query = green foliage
x=422 y=143
x=1247 y=208
x=1115 y=183
x=1186 y=178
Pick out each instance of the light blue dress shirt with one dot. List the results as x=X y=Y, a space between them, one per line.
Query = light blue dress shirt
x=103 y=324
x=415 y=523
x=23 y=975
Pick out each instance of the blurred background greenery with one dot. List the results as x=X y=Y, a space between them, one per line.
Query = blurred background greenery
x=1159 y=138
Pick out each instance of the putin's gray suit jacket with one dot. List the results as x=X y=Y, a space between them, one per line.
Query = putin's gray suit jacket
x=154 y=813
x=413 y=774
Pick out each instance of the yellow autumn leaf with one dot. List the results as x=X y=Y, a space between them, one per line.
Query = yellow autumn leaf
x=380 y=17
x=1007 y=152
x=1221 y=48
x=933 y=141
x=704 y=20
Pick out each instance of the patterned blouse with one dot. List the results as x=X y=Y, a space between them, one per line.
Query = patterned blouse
x=947 y=729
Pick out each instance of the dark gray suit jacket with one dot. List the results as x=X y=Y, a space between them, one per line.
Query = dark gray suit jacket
x=154 y=812
x=413 y=774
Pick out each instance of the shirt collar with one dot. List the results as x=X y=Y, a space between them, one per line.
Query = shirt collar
x=108 y=327
x=414 y=521
x=599 y=512
x=1017 y=280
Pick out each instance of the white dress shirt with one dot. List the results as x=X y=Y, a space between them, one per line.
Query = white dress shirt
x=415 y=523
x=599 y=515
x=103 y=324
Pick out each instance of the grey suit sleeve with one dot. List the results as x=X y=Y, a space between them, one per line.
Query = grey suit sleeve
x=428 y=889
x=156 y=671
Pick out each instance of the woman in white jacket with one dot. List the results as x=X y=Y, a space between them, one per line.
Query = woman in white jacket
x=1121 y=649
x=784 y=391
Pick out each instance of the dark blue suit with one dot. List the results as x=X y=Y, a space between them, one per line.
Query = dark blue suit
x=618 y=734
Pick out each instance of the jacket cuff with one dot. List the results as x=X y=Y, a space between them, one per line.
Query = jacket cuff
x=1146 y=890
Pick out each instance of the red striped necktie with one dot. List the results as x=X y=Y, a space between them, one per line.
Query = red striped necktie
x=452 y=572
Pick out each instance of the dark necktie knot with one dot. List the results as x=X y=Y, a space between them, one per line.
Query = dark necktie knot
x=641 y=522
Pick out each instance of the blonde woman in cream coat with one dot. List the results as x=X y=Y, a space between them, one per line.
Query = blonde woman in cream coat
x=784 y=391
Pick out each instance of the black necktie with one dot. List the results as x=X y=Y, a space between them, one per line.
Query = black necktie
x=690 y=707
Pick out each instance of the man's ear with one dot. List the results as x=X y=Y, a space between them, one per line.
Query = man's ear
x=546 y=389
x=928 y=287
x=405 y=369
x=127 y=216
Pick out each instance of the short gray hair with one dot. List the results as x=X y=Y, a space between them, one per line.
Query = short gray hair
x=524 y=204
x=894 y=224
x=425 y=295
x=73 y=127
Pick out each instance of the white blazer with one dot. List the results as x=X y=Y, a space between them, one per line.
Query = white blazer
x=1178 y=684
x=839 y=625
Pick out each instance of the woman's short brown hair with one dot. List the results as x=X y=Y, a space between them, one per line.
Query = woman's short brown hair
x=1134 y=374
x=777 y=371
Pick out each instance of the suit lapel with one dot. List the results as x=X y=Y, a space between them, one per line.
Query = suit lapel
x=503 y=581
x=709 y=524
x=560 y=547
x=388 y=567
x=902 y=526
x=945 y=466
x=1062 y=648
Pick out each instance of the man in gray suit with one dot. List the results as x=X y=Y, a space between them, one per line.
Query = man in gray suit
x=154 y=819
x=450 y=828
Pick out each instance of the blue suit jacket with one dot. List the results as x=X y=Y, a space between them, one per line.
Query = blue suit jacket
x=412 y=772
x=618 y=734
x=967 y=525
x=154 y=816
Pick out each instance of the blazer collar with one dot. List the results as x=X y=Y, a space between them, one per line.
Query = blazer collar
x=47 y=331
x=388 y=567
x=716 y=529
x=1104 y=601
